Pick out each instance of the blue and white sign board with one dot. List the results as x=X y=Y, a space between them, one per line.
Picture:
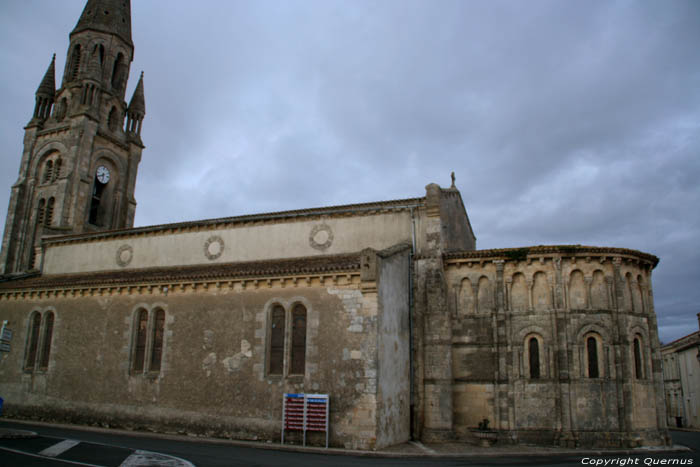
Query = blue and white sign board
x=5 y=337
x=305 y=412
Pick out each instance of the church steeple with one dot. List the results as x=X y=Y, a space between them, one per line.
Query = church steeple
x=46 y=93
x=79 y=164
x=110 y=16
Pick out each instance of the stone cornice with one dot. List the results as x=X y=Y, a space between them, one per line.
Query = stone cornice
x=252 y=219
x=336 y=270
x=683 y=343
x=543 y=251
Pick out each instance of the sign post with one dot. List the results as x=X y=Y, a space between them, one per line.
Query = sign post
x=305 y=412
x=5 y=337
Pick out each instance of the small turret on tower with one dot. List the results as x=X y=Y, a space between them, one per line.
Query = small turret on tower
x=45 y=94
x=136 y=111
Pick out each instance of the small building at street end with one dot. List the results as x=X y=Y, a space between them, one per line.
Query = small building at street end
x=201 y=327
x=681 y=362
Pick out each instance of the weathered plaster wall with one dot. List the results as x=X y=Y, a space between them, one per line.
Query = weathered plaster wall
x=214 y=377
x=393 y=347
x=244 y=242
x=681 y=370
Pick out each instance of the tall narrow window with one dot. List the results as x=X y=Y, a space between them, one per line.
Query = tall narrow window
x=40 y=212
x=46 y=341
x=298 y=356
x=48 y=171
x=57 y=169
x=158 y=331
x=637 y=358
x=97 y=190
x=534 y=351
x=112 y=122
x=592 y=349
x=117 y=71
x=100 y=51
x=140 y=341
x=49 y=211
x=277 y=322
x=33 y=341
x=75 y=62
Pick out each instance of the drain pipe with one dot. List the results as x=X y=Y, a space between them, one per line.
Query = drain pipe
x=411 y=381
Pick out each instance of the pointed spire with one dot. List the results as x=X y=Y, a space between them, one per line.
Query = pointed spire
x=47 y=88
x=135 y=112
x=110 y=16
x=137 y=106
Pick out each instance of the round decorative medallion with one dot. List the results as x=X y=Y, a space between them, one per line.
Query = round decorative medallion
x=124 y=255
x=321 y=237
x=213 y=247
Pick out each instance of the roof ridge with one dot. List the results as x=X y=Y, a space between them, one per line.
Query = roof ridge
x=276 y=215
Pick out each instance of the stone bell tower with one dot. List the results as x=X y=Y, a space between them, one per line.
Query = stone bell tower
x=82 y=146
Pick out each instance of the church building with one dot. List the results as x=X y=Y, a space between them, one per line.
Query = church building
x=201 y=327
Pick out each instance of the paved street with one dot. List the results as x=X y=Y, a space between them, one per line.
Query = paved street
x=107 y=448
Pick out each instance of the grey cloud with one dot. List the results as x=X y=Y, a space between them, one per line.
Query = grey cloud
x=566 y=122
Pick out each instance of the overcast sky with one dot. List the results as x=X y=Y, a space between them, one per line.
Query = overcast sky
x=565 y=121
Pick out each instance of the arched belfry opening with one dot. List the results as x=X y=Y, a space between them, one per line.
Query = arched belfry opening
x=117 y=71
x=74 y=63
x=102 y=193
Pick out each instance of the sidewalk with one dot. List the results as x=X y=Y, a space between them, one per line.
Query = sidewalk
x=408 y=449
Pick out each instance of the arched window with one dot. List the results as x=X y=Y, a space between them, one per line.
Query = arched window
x=100 y=51
x=57 y=169
x=74 y=62
x=117 y=71
x=32 y=341
x=592 y=351
x=140 y=341
x=485 y=296
x=49 y=211
x=466 y=297
x=61 y=109
x=96 y=211
x=40 y=211
x=277 y=322
x=112 y=119
x=46 y=341
x=158 y=332
x=638 y=371
x=577 y=291
x=534 y=354
x=298 y=356
x=48 y=171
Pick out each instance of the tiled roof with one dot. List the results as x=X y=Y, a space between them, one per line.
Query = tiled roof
x=224 y=271
x=521 y=253
x=266 y=217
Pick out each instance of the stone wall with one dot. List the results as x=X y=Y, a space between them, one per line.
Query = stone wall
x=214 y=377
x=240 y=241
x=550 y=301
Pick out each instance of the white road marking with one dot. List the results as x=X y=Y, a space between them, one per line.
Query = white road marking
x=42 y=457
x=142 y=458
x=423 y=447
x=59 y=448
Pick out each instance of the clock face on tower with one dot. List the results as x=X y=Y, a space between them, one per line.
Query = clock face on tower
x=102 y=174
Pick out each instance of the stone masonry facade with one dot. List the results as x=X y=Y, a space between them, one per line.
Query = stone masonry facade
x=200 y=327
